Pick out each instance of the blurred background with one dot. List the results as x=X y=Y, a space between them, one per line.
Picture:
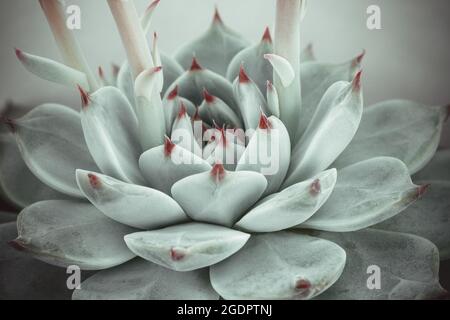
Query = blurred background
x=409 y=58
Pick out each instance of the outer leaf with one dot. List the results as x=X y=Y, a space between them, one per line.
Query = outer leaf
x=429 y=218
x=110 y=130
x=17 y=183
x=64 y=233
x=291 y=206
x=331 y=129
x=141 y=280
x=52 y=71
x=187 y=247
x=214 y=49
x=401 y=129
x=51 y=142
x=408 y=266
x=219 y=196
x=366 y=193
x=133 y=205
x=281 y=265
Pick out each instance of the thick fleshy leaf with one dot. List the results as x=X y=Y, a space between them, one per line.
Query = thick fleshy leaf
x=250 y=100
x=291 y=206
x=183 y=132
x=331 y=130
x=188 y=246
x=258 y=68
x=214 y=49
x=214 y=109
x=111 y=132
x=219 y=196
x=268 y=152
x=17 y=183
x=133 y=205
x=24 y=278
x=51 y=142
x=316 y=78
x=141 y=280
x=164 y=165
x=52 y=71
x=281 y=265
x=66 y=233
x=366 y=193
x=282 y=67
x=149 y=109
x=193 y=82
x=408 y=266
x=172 y=104
x=429 y=218
x=402 y=129
x=438 y=169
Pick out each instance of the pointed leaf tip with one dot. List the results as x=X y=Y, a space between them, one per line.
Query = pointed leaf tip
x=243 y=77
x=357 y=81
x=101 y=74
x=17 y=244
x=209 y=98
x=421 y=190
x=168 y=146
x=218 y=172
x=94 y=181
x=182 y=112
x=315 y=188
x=357 y=61
x=302 y=284
x=173 y=94
x=264 y=122
x=9 y=123
x=152 y=5
x=176 y=254
x=85 y=98
x=115 y=69
x=266 y=36
x=195 y=66
x=19 y=54
x=217 y=18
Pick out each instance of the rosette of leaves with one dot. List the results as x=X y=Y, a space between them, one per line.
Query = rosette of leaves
x=113 y=188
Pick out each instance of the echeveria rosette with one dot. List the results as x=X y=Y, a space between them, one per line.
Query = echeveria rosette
x=168 y=218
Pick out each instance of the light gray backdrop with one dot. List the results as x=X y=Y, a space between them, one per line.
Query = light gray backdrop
x=409 y=58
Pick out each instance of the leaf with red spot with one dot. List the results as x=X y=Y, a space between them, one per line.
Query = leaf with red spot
x=291 y=206
x=277 y=266
x=188 y=246
x=366 y=193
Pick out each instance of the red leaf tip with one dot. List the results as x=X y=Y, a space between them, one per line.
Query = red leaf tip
x=168 y=146
x=182 y=112
x=9 y=123
x=209 y=98
x=101 y=74
x=217 y=18
x=243 y=77
x=17 y=244
x=176 y=255
x=173 y=94
x=19 y=54
x=218 y=171
x=421 y=190
x=269 y=85
x=302 y=284
x=264 y=122
x=266 y=36
x=152 y=5
x=196 y=116
x=85 y=98
x=357 y=61
x=195 y=66
x=94 y=181
x=357 y=81
x=315 y=188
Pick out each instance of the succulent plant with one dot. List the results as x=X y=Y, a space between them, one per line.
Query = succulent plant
x=301 y=204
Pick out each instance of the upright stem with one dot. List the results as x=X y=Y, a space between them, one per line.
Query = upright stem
x=132 y=34
x=68 y=46
x=287 y=45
